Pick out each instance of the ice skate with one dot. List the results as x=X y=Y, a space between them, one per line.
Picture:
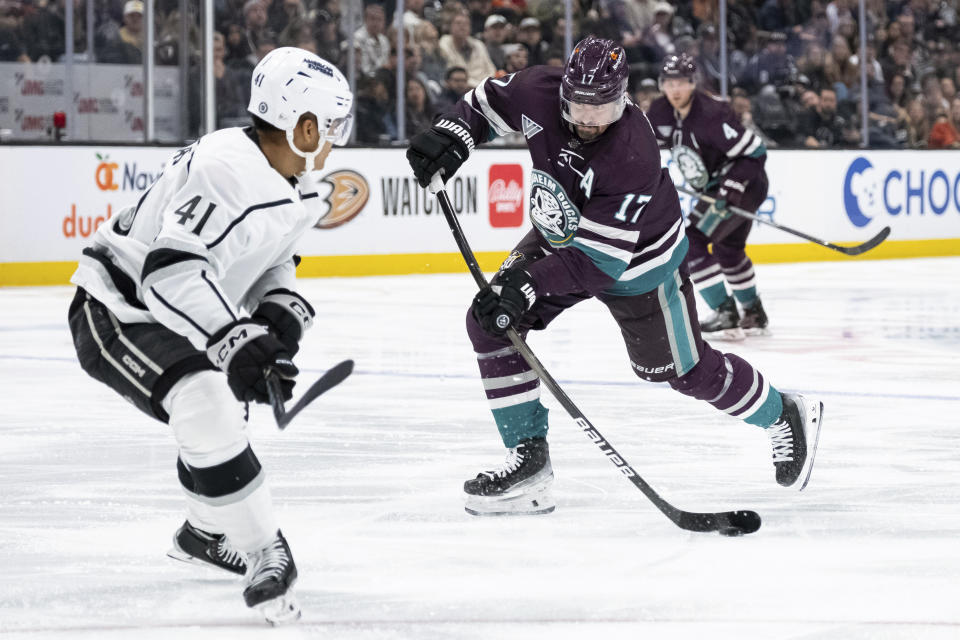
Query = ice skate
x=270 y=579
x=521 y=485
x=794 y=438
x=199 y=547
x=754 y=321
x=724 y=323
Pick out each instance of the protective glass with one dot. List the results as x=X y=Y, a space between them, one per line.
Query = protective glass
x=592 y=115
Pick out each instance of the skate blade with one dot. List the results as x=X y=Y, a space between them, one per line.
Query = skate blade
x=729 y=335
x=814 y=414
x=186 y=558
x=281 y=610
x=757 y=332
x=535 y=503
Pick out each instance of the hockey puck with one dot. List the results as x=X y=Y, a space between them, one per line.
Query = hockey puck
x=731 y=532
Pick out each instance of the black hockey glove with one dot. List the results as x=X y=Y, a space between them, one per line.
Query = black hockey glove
x=287 y=315
x=245 y=351
x=501 y=305
x=443 y=147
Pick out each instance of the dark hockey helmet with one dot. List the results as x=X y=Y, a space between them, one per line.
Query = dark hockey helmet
x=595 y=74
x=678 y=66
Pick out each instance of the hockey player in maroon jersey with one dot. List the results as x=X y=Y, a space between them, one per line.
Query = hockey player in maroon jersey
x=607 y=225
x=716 y=156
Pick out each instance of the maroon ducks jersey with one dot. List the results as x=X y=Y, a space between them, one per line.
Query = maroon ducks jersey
x=608 y=216
x=709 y=144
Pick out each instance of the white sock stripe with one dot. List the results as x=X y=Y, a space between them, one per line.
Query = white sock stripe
x=759 y=403
x=743 y=267
x=519 y=398
x=741 y=286
x=506 y=351
x=509 y=381
x=746 y=397
x=739 y=276
x=709 y=282
x=712 y=270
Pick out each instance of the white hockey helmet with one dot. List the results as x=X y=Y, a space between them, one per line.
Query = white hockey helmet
x=290 y=82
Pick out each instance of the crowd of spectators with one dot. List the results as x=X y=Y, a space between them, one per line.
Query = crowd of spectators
x=793 y=70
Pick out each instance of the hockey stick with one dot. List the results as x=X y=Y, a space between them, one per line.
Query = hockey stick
x=327 y=381
x=850 y=251
x=730 y=523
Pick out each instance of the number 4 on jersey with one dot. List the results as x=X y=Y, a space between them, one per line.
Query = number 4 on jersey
x=185 y=213
x=730 y=132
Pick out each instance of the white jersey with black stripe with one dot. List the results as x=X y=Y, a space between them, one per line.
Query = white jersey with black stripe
x=205 y=242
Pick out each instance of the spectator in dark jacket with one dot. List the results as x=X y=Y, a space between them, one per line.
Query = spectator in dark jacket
x=824 y=128
x=375 y=122
x=530 y=35
x=43 y=31
x=419 y=110
x=457 y=84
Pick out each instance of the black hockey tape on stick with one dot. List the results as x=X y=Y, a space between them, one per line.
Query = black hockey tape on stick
x=849 y=251
x=730 y=523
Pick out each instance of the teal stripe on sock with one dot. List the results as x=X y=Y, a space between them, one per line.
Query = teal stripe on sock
x=769 y=411
x=521 y=421
x=715 y=295
x=746 y=297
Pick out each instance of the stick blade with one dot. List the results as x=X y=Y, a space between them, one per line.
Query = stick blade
x=728 y=523
x=334 y=376
x=866 y=246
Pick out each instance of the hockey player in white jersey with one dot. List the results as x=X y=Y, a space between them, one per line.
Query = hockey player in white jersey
x=197 y=280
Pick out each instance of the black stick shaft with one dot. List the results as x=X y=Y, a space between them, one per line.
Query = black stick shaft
x=850 y=251
x=334 y=376
x=686 y=520
x=275 y=391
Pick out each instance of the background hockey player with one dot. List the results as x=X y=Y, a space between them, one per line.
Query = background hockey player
x=196 y=280
x=607 y=225
x=716 y=156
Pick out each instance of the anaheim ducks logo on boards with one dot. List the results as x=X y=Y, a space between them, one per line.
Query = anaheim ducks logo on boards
x=347 y=199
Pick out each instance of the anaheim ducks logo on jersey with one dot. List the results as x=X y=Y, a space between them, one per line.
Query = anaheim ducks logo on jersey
x=691 y=166
x=551 y=211
x=346 y=200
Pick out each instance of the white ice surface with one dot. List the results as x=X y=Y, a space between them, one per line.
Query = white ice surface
x=367 y=481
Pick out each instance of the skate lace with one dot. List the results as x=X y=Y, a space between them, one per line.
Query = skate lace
x=271 y=562
x=229 y=554
x=511 y=464
x=781 y=439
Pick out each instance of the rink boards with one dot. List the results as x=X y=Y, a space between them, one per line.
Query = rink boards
x=381 y=222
